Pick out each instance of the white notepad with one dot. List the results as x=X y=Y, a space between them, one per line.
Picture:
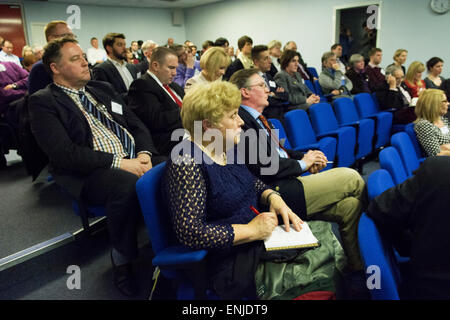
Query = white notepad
x=281 y=240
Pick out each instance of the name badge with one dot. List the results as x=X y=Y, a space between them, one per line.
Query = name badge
x=138 y=75
x=272 y=84
x=2 y=68
x=117 y=108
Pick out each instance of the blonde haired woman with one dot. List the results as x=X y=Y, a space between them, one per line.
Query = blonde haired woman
x=214 y=62
x=431 y=126
x=413 y=78
x=399 y=57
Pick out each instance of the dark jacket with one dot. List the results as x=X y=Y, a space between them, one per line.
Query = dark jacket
x=390 y=99
x=64 y=135
x=278 y=103
x=285 y=178
x=360 y=81
x=232 y=68
x=157 y=110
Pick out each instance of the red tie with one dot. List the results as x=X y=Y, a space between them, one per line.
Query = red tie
x=269 y=129
x=174 y=96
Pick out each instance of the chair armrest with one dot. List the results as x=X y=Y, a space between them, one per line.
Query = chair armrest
x=178 y=256
x=305 y=148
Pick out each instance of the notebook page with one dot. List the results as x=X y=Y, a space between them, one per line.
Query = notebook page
x=280 y=239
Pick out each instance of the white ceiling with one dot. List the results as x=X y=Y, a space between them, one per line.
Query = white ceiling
x=141 y=3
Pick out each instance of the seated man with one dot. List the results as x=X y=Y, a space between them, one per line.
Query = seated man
x=96 y=146
x=115 y=69
x=336 y=195
x=147 y=50
x=95 y=55
x=278 y=99
x=157 y=100
x=13 y=83
x=373 y=70
x=337 y=50
x=7 y=55
x=186 y=64
x=244 y=58
x=413 y=217
x=331 y=79
x=39 y=77
x=393 y=93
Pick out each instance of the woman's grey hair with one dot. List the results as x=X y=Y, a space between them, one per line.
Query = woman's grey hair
x=354 y=59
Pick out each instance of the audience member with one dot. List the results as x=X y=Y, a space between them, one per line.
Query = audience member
x=115 y=70
x=95 y=55
x=302 y=67
x=147 y=48
x=413 y=78
x=346 y=41
x=13 y=84
x=221 y=42
x=399 y=57
x=243 y=59
x=39 y=77
x=157 y=99
x=369 y=40
x=96 y=146
x=275 y=55
x=6 y=55
x=38 y=51
x=431 y=126
x=209 y=198
x=331 y=79
x=357 y=74
x=434 y=78
x=214 y=63
x=373 y=70
x=28 y=62
x=137 y=54
x=191 y=46
x=299 y=95
x=170 y=42
x=26 y=50
x=336 y=195
x=186 y=64
x=231 y=53
x=413 y=217
x=394 y=94
x=337 y=50
x=278 y=98
x=206 y=45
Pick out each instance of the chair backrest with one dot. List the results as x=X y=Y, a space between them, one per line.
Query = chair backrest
x=379 y=181
x=318 y=88
x=375 y=101
x=377 y=253
x=299 y=129
x=365 y=105
x=313 y=71
x=345 y=110
x=409 y=129
x=322 y=118
x=281 y=133
x=391 y=161
x=405 y=148
x=156 y=216
x=310 y=86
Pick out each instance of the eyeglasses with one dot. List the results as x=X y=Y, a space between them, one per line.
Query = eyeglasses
x=262 y=85
x=445 y=101
x=58 y=36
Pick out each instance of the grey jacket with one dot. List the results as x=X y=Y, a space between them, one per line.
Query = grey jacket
x=330 y=82
x=293 y=85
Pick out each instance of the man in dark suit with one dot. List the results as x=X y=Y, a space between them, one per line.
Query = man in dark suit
x=96 y=146
x=278 y=98
x=157 y=100
x=115 y=69
x=336 y=195
x=244 y=58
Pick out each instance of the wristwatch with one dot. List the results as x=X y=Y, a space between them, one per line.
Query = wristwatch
x=14 y=86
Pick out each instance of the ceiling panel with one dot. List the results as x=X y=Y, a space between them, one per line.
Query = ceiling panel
x=141 y=3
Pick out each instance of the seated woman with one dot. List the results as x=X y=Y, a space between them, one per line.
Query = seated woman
x=357 y=74
x=211 y=199
x=394 y=94
x=431 y=126
x=399 y=57
x=413 y=78
x=213 y=63
x=331 y=79
x=291 y=81
x=434 y=78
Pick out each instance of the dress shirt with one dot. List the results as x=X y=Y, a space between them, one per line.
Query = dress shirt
x=161 y=85
x=123 y=71
x=94 y=55
x=276 y=63
x=255 y=114
x=9 y=58
x=341 y=65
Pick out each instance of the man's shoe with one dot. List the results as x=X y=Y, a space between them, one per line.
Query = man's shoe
x=124 y=279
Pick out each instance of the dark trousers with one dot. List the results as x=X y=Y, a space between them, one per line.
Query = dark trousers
x=116 y=190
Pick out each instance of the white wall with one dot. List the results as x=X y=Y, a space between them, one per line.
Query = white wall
x=96 y=21
x=408 y=24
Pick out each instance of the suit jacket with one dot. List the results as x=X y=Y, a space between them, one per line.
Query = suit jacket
x=38 y=78
x=63 y=133
x=389 y=99
x=285 y=178
x=279 y=103
x=297 y=91
x=107 y=72
x=232 y=68
x=359 y=81
x=157 y=110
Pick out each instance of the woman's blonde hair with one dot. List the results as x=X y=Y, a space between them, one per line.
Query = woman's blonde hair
x=209 y=101
x=428 y=106
x=213 y=59
x=414 y=68
x=398 y=52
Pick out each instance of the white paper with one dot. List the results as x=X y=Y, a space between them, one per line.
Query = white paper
x=280 y=239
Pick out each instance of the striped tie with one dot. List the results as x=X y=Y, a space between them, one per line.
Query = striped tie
x=124 y=138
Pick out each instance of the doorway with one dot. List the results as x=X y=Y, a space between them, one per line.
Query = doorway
x=12 y=26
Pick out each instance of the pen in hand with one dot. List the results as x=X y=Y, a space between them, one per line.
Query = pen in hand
x=254 y=210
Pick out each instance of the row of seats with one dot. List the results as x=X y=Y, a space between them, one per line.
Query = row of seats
x=346 y=131
x=397 y=163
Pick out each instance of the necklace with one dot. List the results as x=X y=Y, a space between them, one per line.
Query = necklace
x=220 y=160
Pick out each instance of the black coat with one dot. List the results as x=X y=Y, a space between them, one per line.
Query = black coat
x=63 y=133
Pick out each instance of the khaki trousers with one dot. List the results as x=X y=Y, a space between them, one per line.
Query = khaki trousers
x=338 y=195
